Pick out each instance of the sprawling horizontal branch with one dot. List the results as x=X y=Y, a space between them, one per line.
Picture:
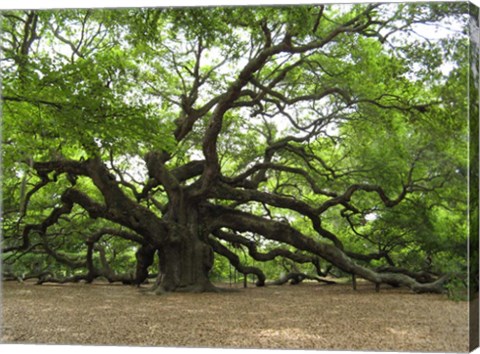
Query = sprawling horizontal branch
x=78 y=168
x=224 y=191
x=259 y=256
x=236 y=239
x=134 y=218
x=118 y=207
x=244 y=222
x=274 y=230
x=243 y=195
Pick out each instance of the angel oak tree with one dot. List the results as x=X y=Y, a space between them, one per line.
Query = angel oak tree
x=313 y=133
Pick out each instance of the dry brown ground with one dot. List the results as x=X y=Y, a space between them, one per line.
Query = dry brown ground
x=308 y=316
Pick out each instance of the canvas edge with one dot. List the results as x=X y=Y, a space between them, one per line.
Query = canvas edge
x=473 y=92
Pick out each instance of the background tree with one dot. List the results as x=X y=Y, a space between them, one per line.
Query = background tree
x=314 y=134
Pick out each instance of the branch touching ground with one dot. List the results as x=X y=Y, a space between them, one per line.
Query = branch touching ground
x=273 y=230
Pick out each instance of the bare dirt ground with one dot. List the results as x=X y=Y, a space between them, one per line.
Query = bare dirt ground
x=306 y=316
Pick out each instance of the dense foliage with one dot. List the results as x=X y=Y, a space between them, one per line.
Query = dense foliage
x=322 y=140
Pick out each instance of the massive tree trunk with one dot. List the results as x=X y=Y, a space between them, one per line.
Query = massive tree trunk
x=184 y=266
x=185 y=259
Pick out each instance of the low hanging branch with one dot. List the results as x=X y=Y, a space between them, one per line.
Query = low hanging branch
x=263 y=257
x=273 y=230
x=297 y=277
x=235 y=261
x=421 y=276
